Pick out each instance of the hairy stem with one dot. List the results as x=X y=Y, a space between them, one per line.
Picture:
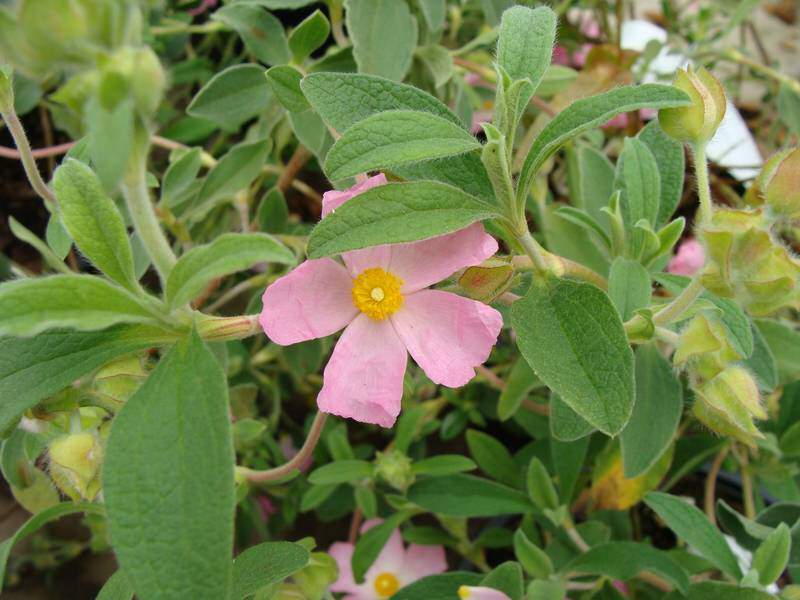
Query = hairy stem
x=534 y=251
x=296 y=461
x=680 y=303
x=26 y=156
x=710 y=497
x=703 y=188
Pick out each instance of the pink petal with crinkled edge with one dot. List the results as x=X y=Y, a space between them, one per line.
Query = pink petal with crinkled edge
x=333 y=199
x=421 y=264
x=481 y=593
x=421 y=561
x=363 y=379
x=312 y=301
x=446 y=334
x=342 y=553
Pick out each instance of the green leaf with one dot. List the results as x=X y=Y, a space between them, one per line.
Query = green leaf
x=26 y=235
x=594 y=182
x=670 y=158
x=434 y=12
x=309 y=35
x=170 y=447
x=261 y=32
x=117 y=587
x=572 y=336
x=506 y=578
x=57 y=237
x=540 y=487
x=568 y=459
x=227 y=254
x=371 y=543
x=82 y=302
x=625 y=560
x=443 y=464
x=33 y=524
x=110 y=133
x=32 y=369
x=341 y=471
x=716 y=590
x=343 y=99
x=266 y=564
x=232 y=96
x=565 y=424
x=586 y=221
x=533 y=559
x=521 y=380
x=311 y=132
x=285 y=83
x=493 y=458
x=467 y=496
x=384 y=35
x=395 y=137
x=640 y=184
x=762 y=362
x=784 y=342
x=629 y=286
x=234 y=172
x=693 y=527
x=439 y=62
x=588 y=113
x=525 y=46
x=772 y=555
x=273 y=212
x=438 y=587
x=656 y=414
x=465 y=171
x=94 y=222
x=394 y=213
x=546 y=590
x=179 y=177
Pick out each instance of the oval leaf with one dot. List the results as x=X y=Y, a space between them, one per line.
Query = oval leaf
x=467 y=496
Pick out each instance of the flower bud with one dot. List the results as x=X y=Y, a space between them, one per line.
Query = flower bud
x=394 y=467
x=747 y=263
x=779 y=183
x=136 y=72
x=487 y=281
x=705 y=344
x=75 y=461
x=728 y=403
x=312 y=581
x=697 y=122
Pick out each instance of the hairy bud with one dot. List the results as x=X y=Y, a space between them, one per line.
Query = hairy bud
x=75 y=461
x=779 y=183
x=698 y=122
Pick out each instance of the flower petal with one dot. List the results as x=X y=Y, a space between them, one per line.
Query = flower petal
x=390 y=559
x=446 y=334
x=421 y=561
x=363 y=380
x=367 y=258
x=312 y=301
x=333 y=199
x=342 y=553
x=481 y=593
x=421 y=264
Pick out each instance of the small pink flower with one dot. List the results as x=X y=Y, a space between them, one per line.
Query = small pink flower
x=394 y=568
x=560 y=55
x=689 y=258
x=478 y=118
x=379 y=296
x=466 y=592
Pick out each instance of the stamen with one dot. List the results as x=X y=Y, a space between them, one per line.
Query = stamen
x=377 y=293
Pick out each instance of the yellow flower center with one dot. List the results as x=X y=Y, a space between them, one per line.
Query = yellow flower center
x=376 y=293
x=386 y=585
x=463 y=592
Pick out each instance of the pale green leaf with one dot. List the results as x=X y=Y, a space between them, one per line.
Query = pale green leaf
x=343 y=99
x=395 y=137
x=467 y=496
x=168 y=479
x=82 y=302
x=525 y=46
x=94 y=222
x=772 y=555
x=693 y=527
x=565 y=424
x=285 y=83
x=266 y=564
x=341 y=471
x=442 y=464
x=110 y=133
x=180 y=175
x=656 y=413
x=493 y=458
x=26 y=235
x=261 y=32
x=671 y=161
x=384 y=35
x=394 y=213
x=587 y=113
x=309 y=35
x=117 y=587
x=572 y=336
x=227 y=254
x=232 y=96
x=628 y=286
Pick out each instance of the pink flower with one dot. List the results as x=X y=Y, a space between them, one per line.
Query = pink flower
x=466 y=592
x=394 y=568
x=379 y=296
x=478 y=118
x=689 y=258
x=560 y=55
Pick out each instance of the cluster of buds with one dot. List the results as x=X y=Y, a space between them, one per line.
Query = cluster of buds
x=748 y=263
x=726 y=395
x=75 y=461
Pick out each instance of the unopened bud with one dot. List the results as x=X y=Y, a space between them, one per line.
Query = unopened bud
x=779 y=183
x=697 y=122
x=728 y=403
x=394 y=467
x=705 y=343
x=75 y=461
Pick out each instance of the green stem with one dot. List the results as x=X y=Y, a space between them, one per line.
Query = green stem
x=26 y=156
x=534 y=251
x=680 y=303
x=137 y=198
x=185 y=28
x=703 y=187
